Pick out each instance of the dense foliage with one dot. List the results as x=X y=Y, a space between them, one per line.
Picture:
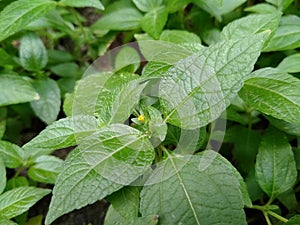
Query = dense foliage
x=188 y=114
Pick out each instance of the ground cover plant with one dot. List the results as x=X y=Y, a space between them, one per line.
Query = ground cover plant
x=175 y=112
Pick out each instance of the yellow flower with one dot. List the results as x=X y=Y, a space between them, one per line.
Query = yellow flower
x=141 y=118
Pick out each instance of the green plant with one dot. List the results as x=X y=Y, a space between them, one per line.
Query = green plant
x=147 y=119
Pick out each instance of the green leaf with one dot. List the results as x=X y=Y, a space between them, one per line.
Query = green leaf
x=119 y=19
x=3 y=115
x=16 y=182
x=262 y=8
x=288 y=199
x=83 y=3
x=281 y=4
x=274 y=93
x=69 y=69
x=114 y=218
x=2 y=175
x=35 y=220
x=111 y=96
x=147 y=5
x=289 y=128
x=157 y=126
x=198 y=189
x=295 y=220
x=61 y=134
x=33 y=54
x=218 y=8
x=198 y=89
x=109 y=159
x=275 y=165
x=45 y=169
x=59 y=56
x=9 y=95
x=179 y=37
x=254 y=190
x=290 y=64
x=251 y=24
x=176 y=5
x=48 y=106
x=18 y=14
x=12 y=155
x=19 y=200
x=124 y=206
x=6 y=59
x=155 y=69
x=127 y=59
x=7 y=222
x=154 y=21
x=163 y=52
x=74 y=185
x=287 y=35
x=245 y=147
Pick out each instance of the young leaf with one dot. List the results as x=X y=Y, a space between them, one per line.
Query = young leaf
x=217 y=8
x=111 y=96
x=61 y=134
x=106 y=161
x=127 y=57
x=268 y=88
x=275 y=165
x=83 y=3
x=124 y=101
x=33 y=54
x=45 y=169
x=154 y=21
x=202 y=190
x=119 y=19
x=19 y=200
x=290 y=64
x=3 y=114
x=198 y=89
x=163 y=52
x=287 y=35
x=157 y=126
x=48 y=106
x=251 y=24
x=147 y=5
x=2 y=176
x=9 y=95
x=179 y=37
x=12 y=155
x=262 y=8
x=18 y=14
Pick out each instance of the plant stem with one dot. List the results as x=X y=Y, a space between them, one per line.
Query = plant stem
x=267 y=218
x=277 y=216
x=266 y=212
